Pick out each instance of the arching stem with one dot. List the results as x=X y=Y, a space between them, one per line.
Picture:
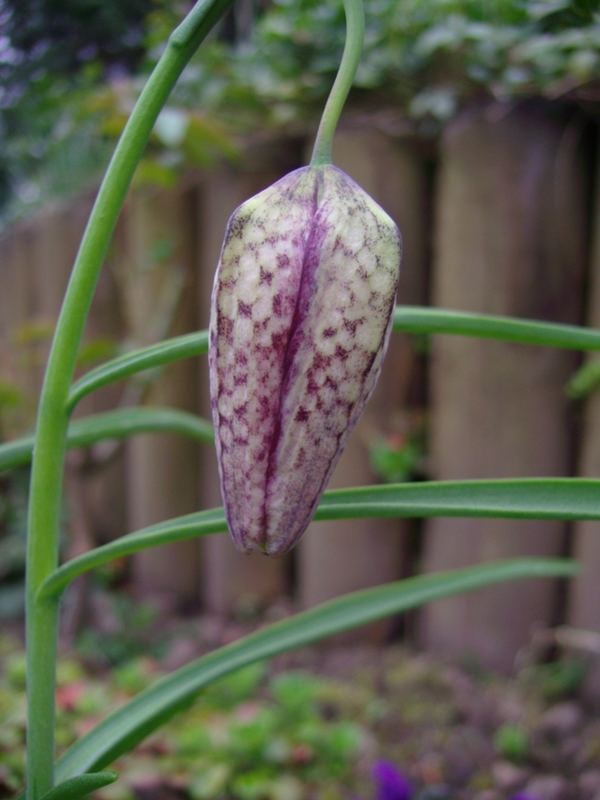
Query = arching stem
x=49 y=450
x=355 y=29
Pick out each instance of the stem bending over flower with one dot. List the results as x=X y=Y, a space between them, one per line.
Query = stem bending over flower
x=50 y=442
x=355 y=30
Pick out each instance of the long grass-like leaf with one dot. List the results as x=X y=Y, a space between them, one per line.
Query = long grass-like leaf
x=526 y=498
x=201 y=523
x=414 y=319
x=508 y=498
x=408 y=319
x=117 y=424
x=127 y=726
x=81 y=786
x=584 y=381
x=180 y=347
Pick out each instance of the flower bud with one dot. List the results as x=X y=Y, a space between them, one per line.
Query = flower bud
x=300 y=320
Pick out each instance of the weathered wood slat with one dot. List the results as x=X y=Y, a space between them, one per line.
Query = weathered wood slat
x=104 y=484
x=584 y=601
x=155 y=251
x=17 y=362
x=510 y=239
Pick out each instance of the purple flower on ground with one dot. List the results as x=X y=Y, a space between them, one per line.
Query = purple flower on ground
x=300 y=320
x=391 y=783
x=524 y=796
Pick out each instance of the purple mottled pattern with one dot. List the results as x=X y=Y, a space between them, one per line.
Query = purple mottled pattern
x=300 y=319
x=391 y=784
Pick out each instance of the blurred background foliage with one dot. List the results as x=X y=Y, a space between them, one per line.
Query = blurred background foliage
x=317 y=732
x=70 y=72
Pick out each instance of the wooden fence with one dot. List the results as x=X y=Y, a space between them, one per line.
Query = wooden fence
x=501 y=218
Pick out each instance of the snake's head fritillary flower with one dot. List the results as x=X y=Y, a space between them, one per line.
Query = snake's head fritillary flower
x=300 y=319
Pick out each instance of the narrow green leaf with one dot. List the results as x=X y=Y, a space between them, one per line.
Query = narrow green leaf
x=81 y=785
x=117 y=424
x=408 y=319
x=131 y=723
x=508 y=498
x=584 y=381
x=201 y=523
x=525 y=498
x=414 y=319
x=191 y=344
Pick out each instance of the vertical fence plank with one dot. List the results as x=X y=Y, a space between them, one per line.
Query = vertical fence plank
x=95 y=488
x=53 y=251
x=583 y=600
x=228 y=576
x=102 y=481
x=36 y=263
x=510 y=240
x=32 y=333
x=15 y=309
x=155 y=247
x=341 y=556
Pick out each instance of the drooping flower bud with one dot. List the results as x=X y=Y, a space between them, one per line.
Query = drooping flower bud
x=300 y=319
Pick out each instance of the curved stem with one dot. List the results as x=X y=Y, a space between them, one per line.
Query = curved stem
x=48 y=461
x=355 y=29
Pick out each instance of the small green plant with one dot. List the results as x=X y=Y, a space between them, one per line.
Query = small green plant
x=398 y=457
x=277 y=747
x=81 y=770
x=512 y=742
x=133 y=633
x=246 y=736
x=556 y=680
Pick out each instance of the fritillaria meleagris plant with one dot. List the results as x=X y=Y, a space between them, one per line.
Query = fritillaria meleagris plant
x=302 y=311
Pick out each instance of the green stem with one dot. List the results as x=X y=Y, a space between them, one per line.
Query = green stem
x=48 y=461
x=355 y=29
